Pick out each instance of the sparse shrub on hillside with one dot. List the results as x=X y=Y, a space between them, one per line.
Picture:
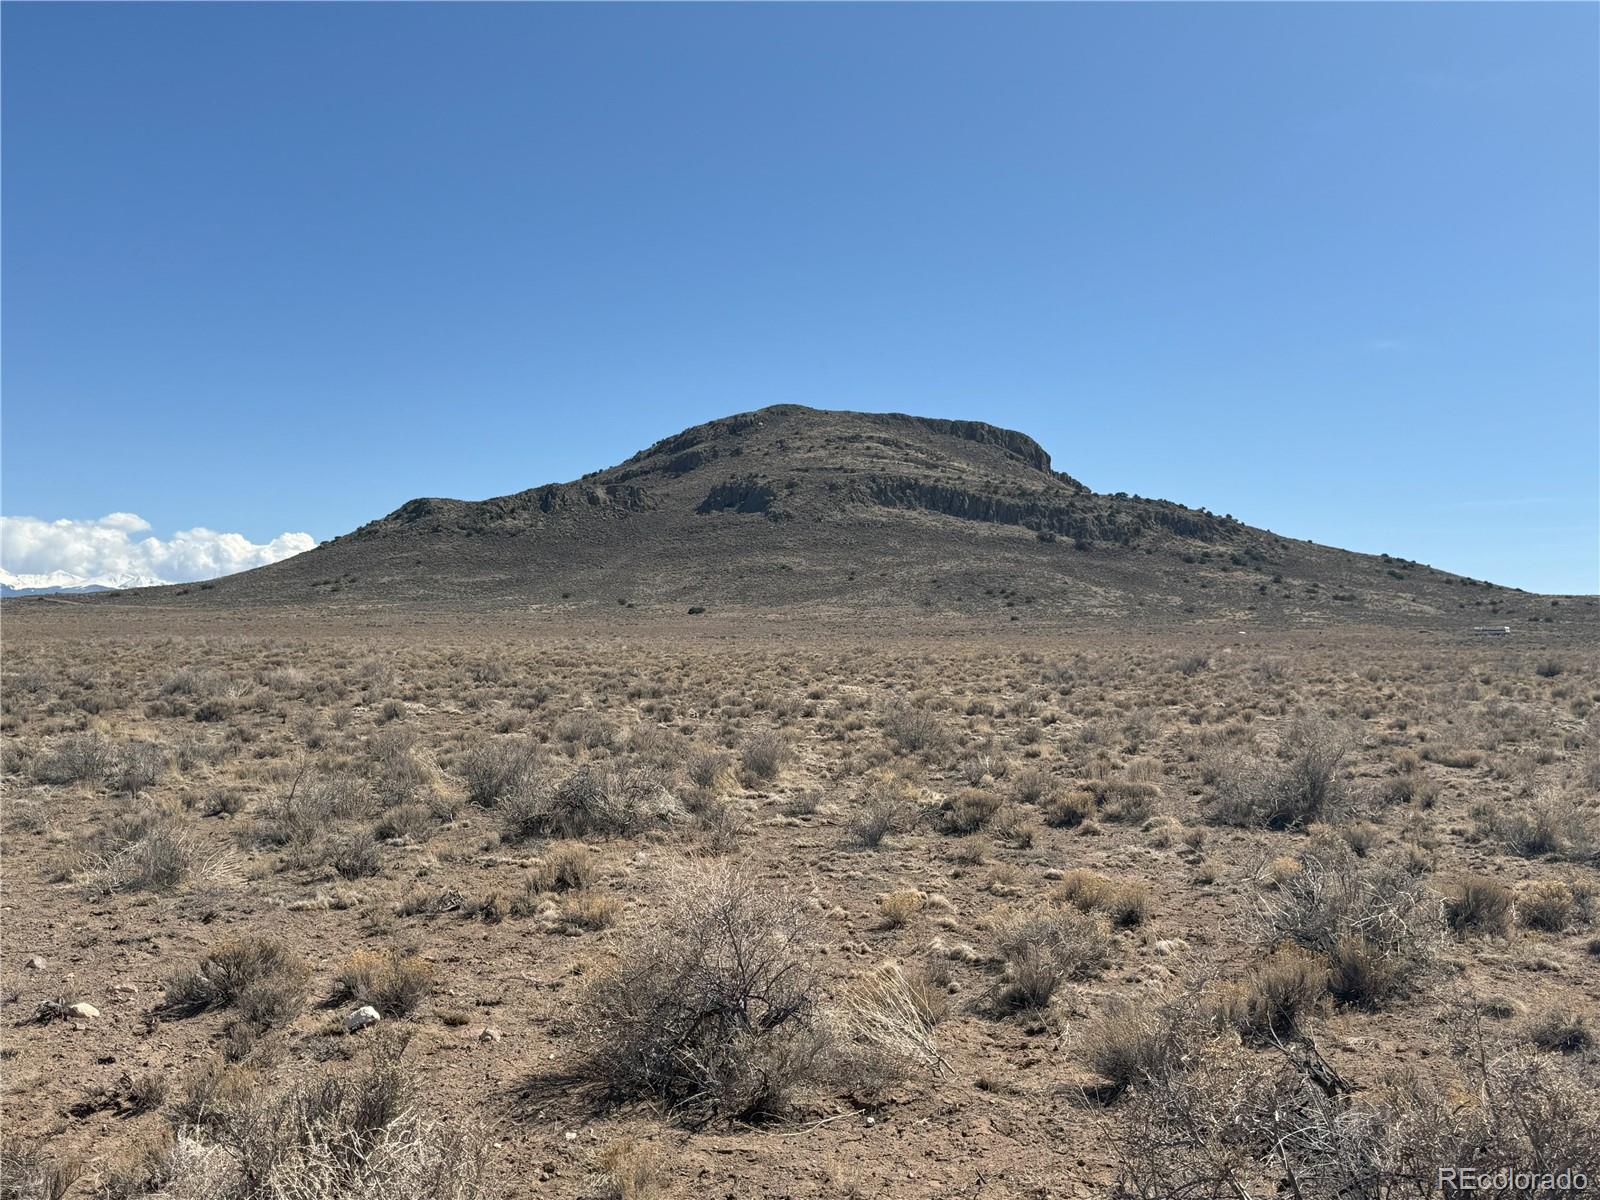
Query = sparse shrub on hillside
x=1375 y=923
x=497 y=769
x=393 y=983
x=913 y=730
x=1045 y=947
x=969 y=811
x=713 y=1007
x=1478 y=904
x=85 y=757
x=596 y=800
x=262 y=977
x=1276 y=995
x=1299 y=785
x=764 y=755
x=366 y=1133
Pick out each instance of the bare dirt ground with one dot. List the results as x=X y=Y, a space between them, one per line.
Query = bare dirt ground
x=1057 y=915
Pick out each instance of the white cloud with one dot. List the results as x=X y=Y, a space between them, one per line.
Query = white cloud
x=106 y=547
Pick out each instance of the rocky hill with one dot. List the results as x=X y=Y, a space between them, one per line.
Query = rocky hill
x=795 y=510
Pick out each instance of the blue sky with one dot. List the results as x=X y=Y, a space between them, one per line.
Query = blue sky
x=1331 y=269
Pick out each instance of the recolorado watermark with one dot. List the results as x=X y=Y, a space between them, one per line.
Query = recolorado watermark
x=1457 y=1180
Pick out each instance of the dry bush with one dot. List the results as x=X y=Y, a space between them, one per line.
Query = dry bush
x=1557 y=905
x=969 y=811
x=1137 y=1044
x=85 y=757
x=137 y=767
x=886 y=805
x=1478 y=904
x=1034 y=786
x=1227 y=1121
x=1556 y=824
x=301 y=817
x=1299 y=785
x=1276 y=995
x=1375 y=923
x=262 y=977
x=1561 y=1031
x=1045 y=947
x=713 y=1007
x=151 y=851
x=596 y=800
x=29 y=1172
x=357 y=856
x=1071 y=810
x=362 y=1135
x=1125 y=904
x=393 y=983
x=913 y=730
x=764 y=755
x=498 y=769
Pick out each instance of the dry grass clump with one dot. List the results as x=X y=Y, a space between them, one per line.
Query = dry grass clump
x=261 y=977
x=29 y=1172
x=887 y=1016
x=1554 y=824
x=1276 y=996
x=631 y=1170
x=1045 y=947
x=1230 y=1121
x=1137 y=1044
x=1070 y=810
x=1456 y=757
x=1125 y=904
x=82 y=757
x=713 y=1007
x=565 y=867
x=1557 y=905
x=363 y=1134
x=150 y=851
x=1478 y=904
x=1298 y=786
x=1374 y=923
x=393 y=983
x=596 y=800
x=900 y=906
x=969 y=811
x=1561 y=1031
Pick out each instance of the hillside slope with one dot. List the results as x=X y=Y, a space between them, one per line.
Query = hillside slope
x=802 y=510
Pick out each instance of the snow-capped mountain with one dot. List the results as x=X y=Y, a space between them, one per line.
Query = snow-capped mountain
x=63 y=581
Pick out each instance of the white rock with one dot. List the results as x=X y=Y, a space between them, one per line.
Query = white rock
x=36 y=963
x=361 y=1018
x=87 y=1011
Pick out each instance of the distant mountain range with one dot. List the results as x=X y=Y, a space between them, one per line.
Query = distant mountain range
x=62 y=581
